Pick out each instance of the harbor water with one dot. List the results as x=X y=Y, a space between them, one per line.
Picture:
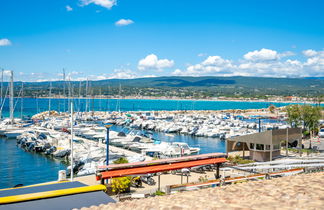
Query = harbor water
x=20 y=167
x=33 y=106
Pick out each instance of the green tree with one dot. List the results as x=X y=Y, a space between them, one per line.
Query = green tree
x=310 y=116
x=272 y=108
x=294 y=115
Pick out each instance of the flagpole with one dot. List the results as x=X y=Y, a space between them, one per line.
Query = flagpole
x=71 y=143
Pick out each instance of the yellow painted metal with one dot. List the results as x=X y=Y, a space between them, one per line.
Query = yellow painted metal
x=34 y=185
x=50 y=194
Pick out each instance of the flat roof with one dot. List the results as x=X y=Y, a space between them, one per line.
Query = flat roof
x=159 y=168
x=79 y=200
x=162 y=161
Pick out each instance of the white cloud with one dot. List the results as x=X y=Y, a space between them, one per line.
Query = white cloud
x=104 y=3
x=264 y=62
x=68 y=8
x=262 y=55
x=202 y=54
x=309 y=53
x=5 y=42
x=124 y=22
x=152 y=62
x=210 y=66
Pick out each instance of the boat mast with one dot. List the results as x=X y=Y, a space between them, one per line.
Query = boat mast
x=71 y=141
x=100 y=99
x=22 y=100
x=118 y=100
x=80 y=85
x=11 y=98
x=1 y=90
x=86 y=95
x=64 y=108
x=69 y=94
x=49 y=100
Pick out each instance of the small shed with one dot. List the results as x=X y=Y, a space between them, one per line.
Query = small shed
x=264 y=146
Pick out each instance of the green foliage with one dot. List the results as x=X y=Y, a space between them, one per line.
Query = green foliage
x=159 y=193
x=121 y=160
x=121 y=184
x=305 y=115
x=203 y=178
x=195 y=87
x=294 y=115
x=310 y=116
x=272 y=108
x=238 y=160
x=302 y=150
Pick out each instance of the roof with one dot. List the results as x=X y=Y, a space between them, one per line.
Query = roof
x=305 y=191
x=162 y=161
x=76 y=200
x=159 y=168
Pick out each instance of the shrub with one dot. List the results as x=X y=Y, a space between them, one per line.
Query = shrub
x=159 y=193
x=121 y=160
x=121 y=184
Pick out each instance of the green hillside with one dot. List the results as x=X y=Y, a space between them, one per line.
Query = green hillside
x=200 y=87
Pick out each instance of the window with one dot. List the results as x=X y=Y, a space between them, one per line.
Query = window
x=260 y=146
x=276 y=146
x=267 y=147
x=251 y=145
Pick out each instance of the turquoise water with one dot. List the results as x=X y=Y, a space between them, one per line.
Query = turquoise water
x=20 y=167
x=32 y=106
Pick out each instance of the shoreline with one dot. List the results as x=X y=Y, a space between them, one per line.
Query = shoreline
x=183 y=99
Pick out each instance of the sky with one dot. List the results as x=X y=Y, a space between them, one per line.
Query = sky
x=102 y=39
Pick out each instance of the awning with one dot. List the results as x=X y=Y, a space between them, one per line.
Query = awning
x=159 y=168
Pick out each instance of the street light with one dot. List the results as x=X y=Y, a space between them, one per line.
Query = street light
x=107 y=143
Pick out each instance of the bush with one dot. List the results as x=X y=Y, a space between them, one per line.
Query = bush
x=238 y=160
x=159 y=193
x=121 y=160
x=121 y=184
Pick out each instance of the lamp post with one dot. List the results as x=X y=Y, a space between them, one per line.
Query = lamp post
x=107 y=143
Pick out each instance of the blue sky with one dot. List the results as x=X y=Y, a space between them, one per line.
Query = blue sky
x=102 y=39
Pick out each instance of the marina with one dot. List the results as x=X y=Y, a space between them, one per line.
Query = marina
x=48 y=135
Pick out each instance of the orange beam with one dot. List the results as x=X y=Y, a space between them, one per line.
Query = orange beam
x=162 y=161
x=158 y=168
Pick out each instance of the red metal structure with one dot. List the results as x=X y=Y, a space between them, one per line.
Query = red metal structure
x=160 y=165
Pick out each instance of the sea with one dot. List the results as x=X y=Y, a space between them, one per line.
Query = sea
x=20 y=167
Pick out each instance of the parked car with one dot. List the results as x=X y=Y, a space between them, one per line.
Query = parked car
x=321 y=133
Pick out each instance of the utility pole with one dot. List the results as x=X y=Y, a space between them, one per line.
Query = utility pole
x=11 y=98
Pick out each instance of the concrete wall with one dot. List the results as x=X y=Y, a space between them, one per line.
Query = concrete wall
x=263 y=156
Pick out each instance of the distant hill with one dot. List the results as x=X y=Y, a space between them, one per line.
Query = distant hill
x=204 y=86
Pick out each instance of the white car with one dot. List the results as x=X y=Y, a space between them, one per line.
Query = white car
x=321 y=133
